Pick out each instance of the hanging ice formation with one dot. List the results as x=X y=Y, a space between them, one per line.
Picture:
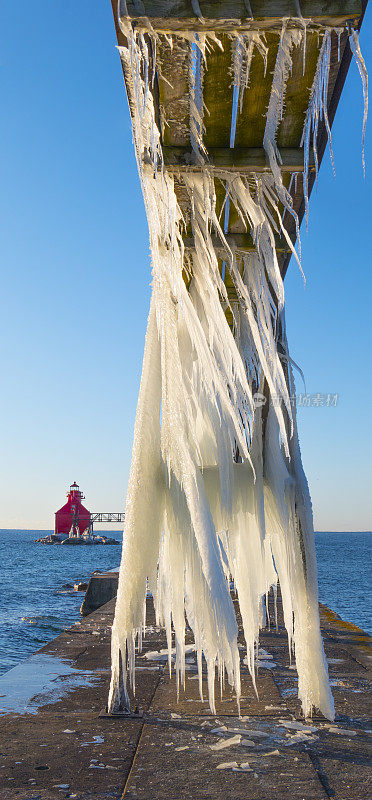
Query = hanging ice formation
x=196 y=516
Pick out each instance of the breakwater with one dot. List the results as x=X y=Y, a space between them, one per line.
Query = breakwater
x=56 y=740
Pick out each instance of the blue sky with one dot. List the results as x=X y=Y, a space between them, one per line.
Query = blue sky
x=75 y=283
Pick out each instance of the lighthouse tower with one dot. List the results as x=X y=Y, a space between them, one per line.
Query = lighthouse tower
x=73 y=518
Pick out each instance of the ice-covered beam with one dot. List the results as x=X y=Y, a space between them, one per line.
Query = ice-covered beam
x=172 y=15
x=238 y=241
x=238 y=159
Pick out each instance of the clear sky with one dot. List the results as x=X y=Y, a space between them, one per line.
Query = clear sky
x=75 y=283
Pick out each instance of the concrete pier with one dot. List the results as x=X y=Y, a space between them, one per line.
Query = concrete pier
x=54 y=741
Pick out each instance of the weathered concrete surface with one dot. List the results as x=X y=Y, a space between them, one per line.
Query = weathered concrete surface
x=101 y=589
x=56 y=744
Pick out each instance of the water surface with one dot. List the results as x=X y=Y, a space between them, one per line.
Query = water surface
x=35 y=608
x=344 y=575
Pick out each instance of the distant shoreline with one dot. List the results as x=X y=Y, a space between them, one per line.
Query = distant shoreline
x=50 y=530
x=120 y=530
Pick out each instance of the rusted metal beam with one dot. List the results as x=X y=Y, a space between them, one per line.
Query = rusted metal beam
x=238 y=159
x=172 y=15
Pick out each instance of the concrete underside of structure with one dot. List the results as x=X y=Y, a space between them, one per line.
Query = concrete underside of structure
x=54 y=743
x=247 y=155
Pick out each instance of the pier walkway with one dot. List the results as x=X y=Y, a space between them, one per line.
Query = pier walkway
x=54 y=742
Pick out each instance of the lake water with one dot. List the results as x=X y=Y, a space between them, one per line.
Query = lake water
x=35 y=608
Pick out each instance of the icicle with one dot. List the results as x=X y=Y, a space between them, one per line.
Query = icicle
x=317 y=112
x=304 y=49
x=283 y=66
x=243 y=45
x=297 y=572
x=355 y=48
x=196 y=9
x=139 y=518
x=200 y=45
x=196 y=95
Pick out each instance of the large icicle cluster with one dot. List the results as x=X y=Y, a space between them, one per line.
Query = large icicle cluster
x=217 y=490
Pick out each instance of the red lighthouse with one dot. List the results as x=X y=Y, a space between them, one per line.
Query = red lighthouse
x=73 y=518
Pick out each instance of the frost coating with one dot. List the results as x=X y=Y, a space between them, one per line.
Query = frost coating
x=197 y=517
